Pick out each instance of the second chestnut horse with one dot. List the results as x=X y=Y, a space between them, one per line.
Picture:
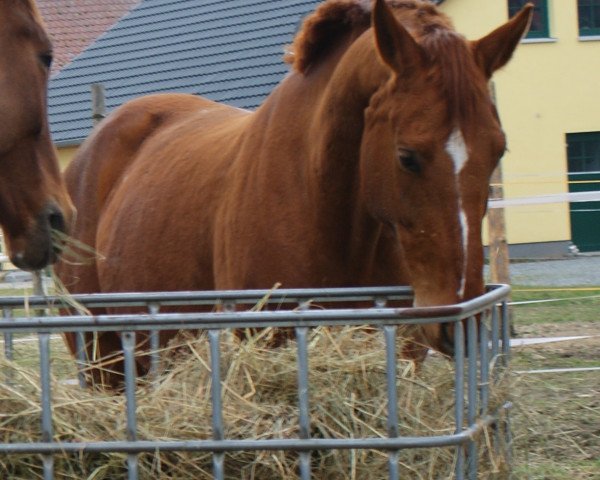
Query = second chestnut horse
x=33 y=197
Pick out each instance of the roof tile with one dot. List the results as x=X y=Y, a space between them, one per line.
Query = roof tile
x=227 y=50
x=75 y=24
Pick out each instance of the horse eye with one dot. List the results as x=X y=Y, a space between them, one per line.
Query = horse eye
x=409 y=160
x=46 y=59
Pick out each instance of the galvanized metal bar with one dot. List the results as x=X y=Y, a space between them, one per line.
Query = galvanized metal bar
x=8 y=346
x=484 y=358
x=46 y=401
x=505 y=333
x=495 y=339
x=471 y=307
x=303 y=400
x=214 y=337
x=8 y=337
x=497 y=362
x=216 y=297
x=239 y=319
x=249 y=319
x=472 y=394
x=506 y=359
x=81 y=358
x=154 y=309
x=128 y=343
x=392 y=396
x=459 y=389
x=297 y=444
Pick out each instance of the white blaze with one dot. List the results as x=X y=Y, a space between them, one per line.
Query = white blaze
x=457 y=149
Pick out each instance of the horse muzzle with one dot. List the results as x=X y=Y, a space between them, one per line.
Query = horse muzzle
x=37 y=247
x=447 y=344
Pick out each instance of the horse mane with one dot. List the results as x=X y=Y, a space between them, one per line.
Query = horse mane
x=322 y=29
x=432 y=29
x=455 y=66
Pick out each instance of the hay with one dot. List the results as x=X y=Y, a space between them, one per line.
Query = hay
x=347 y=397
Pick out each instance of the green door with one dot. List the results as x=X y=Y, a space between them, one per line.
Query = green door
x=584 y=176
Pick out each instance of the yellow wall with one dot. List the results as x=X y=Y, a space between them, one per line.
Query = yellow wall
x=65 y=155
x=549 y=89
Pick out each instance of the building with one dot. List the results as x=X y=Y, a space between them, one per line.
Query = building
x=231 y=51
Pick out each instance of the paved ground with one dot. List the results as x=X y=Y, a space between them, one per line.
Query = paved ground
x=582 y=270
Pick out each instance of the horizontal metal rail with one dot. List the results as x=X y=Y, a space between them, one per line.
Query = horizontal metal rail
x=246 y=319
x=212 y=297
x=272 y=296
x=140 y=446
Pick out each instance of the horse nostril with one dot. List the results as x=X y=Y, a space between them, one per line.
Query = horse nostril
x=56 y=220
x=447 y=340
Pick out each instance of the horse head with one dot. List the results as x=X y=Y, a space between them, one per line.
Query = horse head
x=431 y=140
x=33 y=198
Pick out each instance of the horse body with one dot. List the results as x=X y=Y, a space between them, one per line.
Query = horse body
x=361 y=168
x=33 y=198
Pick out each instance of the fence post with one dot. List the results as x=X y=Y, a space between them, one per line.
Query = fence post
x=498 y=243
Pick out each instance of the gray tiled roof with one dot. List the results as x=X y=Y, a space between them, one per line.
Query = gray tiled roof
x=227 y=50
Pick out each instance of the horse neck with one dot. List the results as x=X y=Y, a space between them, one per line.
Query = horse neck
x=337 y=121
x=328 y=104
x=336 y=134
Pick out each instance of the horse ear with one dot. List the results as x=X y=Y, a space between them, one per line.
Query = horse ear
x=396 y=46
x=495 y=49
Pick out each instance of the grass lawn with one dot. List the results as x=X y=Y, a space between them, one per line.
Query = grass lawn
x=556 y=419
x=555 y=305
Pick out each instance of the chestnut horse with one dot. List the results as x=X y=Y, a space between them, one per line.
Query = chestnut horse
x=33 y=197
x=368 y=165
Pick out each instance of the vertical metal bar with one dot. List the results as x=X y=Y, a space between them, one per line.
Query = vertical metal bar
x=81 y=358
x=472 y=394
x=459 y=389
x=217 y=404
x=154 y=343
x=484 y=379
x=495 y=350
x=505 y=333
x=389 y=332
x=8 y=337
x=47 y=434
x=128 y=343
x=8 y=346
x=44 y=345
x=505 y=363
x=303 y=400
x=495 y=340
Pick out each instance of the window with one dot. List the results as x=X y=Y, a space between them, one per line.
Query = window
x=583 y=152
x=539 y=23
x=589 y=17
